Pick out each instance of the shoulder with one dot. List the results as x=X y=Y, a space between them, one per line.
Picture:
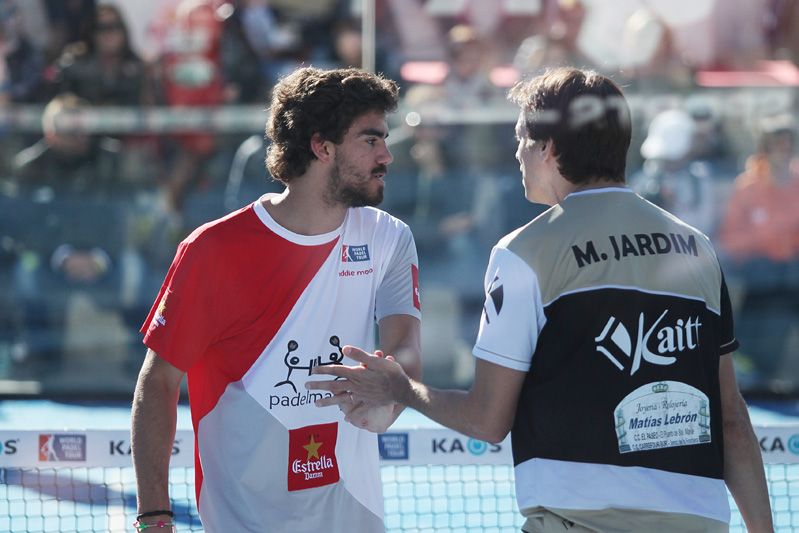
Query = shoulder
x=220 y=233
x=379 y=219
x=522 y=244
x=677 y=223
x=534 y=231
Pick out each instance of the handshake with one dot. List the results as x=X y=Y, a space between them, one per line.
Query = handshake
x=369 y=394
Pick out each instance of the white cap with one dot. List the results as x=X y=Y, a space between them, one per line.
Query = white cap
x=669 y=137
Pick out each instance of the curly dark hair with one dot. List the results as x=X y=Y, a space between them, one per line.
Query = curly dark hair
x=310 y=101
x=586 y=117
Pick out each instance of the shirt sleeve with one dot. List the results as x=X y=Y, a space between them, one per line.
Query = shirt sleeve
x=728 y=341
x=398 y=293
x=181 y=324
x=513 y=314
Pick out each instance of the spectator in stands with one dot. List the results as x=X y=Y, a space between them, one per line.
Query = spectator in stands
x=450 y=210
x=459 y=164
x=71 y=215
x=21 y=64
x=189 y=73
x=468 y=87
x=468 y=82
x=314 y=25
x=759 y=238
x=782 y=22
x=66 y=160
x=102 y=68
x=347 y=44
x=711 y=146
x=651 y=61
x=241 y=65
x=554 y=40
x=760 y=230
x=277 y=45
x=670 y=177
x=21 y=67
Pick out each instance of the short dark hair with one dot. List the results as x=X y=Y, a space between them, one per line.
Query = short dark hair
x=310 y=101
x=585 y=115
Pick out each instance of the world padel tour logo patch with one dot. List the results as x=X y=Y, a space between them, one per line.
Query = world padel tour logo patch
x=62 y=447
x=393 y=446
x=352 y=254
x=312 y=456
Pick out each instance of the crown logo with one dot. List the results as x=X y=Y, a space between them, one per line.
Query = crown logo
x=660 y=387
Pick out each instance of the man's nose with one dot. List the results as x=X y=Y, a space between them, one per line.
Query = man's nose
x=385 y=157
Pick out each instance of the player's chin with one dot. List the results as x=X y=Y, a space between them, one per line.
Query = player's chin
x=374 y=198
x=365 y=196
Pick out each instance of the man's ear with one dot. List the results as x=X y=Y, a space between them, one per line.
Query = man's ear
x=321 y=148
x=548 y=149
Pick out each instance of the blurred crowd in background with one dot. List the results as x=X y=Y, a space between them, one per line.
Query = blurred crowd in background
x=125 y=125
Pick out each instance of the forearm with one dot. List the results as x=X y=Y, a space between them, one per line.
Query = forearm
x=400 y=338
x=410 y=361
x=154 y=419
x=456 y=409
x=744 y=474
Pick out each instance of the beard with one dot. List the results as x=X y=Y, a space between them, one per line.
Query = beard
x=350 y=188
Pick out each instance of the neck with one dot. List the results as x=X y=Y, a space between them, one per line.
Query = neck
x=565 y=187
x=598 y=184
x=302 y=209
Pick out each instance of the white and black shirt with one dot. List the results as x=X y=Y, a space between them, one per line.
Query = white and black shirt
x=618 y=313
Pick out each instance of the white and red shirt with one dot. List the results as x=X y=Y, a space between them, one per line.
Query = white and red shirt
x=247 y=309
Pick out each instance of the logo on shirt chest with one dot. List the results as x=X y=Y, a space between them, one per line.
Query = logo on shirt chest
x=312 y=456
x=294 y=362
x=656 y=344
x=354 y=254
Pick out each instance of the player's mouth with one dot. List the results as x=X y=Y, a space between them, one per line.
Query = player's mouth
x=379 y=173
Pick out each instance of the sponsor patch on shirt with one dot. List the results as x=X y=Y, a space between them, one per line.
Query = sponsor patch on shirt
x=312 y=456
x=159 y=319
x=352 y=254
x=663 y=414
x=417 y=303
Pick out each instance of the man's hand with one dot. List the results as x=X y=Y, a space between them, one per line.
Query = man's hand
x=374 y=419
x=376 y=382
